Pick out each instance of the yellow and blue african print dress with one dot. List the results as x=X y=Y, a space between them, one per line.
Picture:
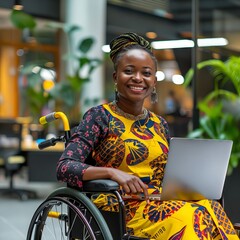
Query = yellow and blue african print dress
x=140 y=146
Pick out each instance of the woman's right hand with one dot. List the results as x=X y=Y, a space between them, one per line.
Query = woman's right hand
x=130 y=183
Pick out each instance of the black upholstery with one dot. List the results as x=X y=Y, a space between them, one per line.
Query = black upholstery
x=11 y=158
x=100 y=185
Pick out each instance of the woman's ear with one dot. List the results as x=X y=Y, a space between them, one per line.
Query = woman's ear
x=155 y=82
x=115 y=76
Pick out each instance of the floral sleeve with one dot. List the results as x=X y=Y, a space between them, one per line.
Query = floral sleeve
x=71 y=165
x=165 y=127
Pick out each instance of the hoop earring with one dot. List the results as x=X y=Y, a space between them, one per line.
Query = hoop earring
x=154 y=96
x=116 y=92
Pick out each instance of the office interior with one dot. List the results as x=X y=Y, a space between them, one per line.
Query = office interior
x=35 y=61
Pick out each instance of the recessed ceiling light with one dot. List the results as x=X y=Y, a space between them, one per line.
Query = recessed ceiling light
x=186 y=43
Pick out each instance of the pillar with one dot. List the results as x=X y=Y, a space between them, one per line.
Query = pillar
x=90 y=16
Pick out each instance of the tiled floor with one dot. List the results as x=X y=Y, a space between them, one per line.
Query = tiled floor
x=15 y=215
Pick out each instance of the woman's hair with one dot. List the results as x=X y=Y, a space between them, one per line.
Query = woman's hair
x=128 y=41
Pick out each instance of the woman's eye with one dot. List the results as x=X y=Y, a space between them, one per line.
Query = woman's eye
x=128 y=71
x=147 y=74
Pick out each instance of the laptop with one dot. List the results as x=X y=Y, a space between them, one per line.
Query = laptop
x=196 y=169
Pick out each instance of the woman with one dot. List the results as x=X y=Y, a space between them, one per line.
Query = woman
x=129 y=145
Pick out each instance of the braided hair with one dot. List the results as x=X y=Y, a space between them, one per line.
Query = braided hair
x=127 y=41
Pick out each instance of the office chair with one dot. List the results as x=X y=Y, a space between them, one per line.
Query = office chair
x=11 y=159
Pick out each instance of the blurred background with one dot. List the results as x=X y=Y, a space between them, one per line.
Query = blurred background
x=36 y=57
x=54 y=56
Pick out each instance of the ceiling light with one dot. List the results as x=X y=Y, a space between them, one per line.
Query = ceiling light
x=172 y=44
x=106 y=48
x=207 y=42
x=185 y=43
x=178 y=79
x=160 y=75
x=151 y=35
x=17 y=5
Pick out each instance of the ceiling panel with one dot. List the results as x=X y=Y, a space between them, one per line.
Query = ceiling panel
x=155 y=7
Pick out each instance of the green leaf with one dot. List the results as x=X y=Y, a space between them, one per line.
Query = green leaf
x=85 y=45
x=22 y=20
x=71 y=28
x=210 y=110
x=83 y=61
x=197 y=133
x=220 y=93
x=208 y=126
x=188 y=77
x=93 y=64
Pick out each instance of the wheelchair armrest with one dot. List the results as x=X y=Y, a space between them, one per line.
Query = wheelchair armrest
x=100 y=185
x=237 y=226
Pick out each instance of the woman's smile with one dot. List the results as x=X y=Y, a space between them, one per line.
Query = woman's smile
x=136 y=89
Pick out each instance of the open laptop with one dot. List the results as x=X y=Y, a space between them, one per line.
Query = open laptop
x=196 y=169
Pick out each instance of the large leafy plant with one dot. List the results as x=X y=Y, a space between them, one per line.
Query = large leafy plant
x=216 y=121
x=67 y=92
x=223 y=72
x=34 y=93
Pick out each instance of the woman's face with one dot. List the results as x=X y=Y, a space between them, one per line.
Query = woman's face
x=135 y=76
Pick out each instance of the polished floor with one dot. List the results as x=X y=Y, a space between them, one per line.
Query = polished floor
x=15 y=214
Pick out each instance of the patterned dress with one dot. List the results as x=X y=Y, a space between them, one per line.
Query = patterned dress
x=139 y=145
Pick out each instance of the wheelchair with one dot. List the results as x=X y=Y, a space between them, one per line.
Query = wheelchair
x=69 y=213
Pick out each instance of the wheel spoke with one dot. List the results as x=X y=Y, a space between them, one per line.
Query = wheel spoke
x=57 y=218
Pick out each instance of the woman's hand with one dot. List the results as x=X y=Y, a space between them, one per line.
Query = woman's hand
x=130 y=183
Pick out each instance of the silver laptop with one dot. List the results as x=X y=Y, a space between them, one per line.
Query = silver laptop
x=196 y=169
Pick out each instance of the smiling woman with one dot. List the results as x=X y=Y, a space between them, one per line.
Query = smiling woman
x=129 y=144
x=134 y=80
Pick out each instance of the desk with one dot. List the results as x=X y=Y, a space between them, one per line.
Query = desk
x=41 y=164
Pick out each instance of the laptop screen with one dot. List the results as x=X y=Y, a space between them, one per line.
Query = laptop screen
x=196 y=169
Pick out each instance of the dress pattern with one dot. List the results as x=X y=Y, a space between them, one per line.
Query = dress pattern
x=139 y=146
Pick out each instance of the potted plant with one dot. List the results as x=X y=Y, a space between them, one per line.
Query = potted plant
x=220 y=119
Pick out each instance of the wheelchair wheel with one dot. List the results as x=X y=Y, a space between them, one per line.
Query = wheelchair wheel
x=68 y=214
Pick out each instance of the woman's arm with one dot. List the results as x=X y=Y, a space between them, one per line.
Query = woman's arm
x=71 y=165
x=166 y=128
x=130 y=183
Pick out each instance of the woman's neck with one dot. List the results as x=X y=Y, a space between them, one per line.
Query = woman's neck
x=133 y=109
